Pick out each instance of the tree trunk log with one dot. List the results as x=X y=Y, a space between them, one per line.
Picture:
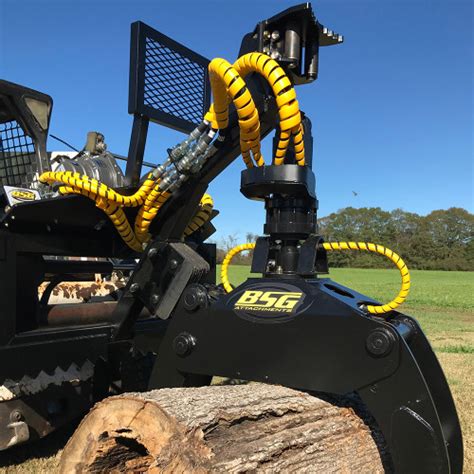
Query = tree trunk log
x=231 y=428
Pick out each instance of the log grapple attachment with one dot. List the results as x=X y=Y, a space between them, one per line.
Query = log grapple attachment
x=166 y=323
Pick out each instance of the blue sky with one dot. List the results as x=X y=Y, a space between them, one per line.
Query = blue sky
x=392 y=109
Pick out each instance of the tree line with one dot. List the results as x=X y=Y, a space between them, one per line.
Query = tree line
x=441 y=240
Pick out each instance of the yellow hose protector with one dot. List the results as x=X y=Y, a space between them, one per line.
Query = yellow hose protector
x=94 y=188
x=396 y=259
x=285 y=95
x=153 y=203
x=106 y=199
x=226 y=82
x=330 y=246
x=111 y=202
x=226 y=262
x=202 y=215
x=115 y=214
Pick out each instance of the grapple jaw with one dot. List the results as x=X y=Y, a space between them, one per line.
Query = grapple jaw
x=414 y=407
x=327 y=344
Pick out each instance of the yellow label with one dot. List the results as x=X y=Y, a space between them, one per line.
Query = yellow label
x=23 y=195
x=271 y=301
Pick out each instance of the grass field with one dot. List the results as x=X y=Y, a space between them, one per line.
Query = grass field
x=443 y=303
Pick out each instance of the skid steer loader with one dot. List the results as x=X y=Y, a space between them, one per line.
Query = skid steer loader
x=57 y=360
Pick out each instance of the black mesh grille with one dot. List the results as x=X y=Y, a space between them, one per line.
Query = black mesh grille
x=17 y=155
x=173 y=83
x=168 y=82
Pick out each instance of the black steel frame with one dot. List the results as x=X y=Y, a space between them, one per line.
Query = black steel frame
x=143 y=112
x=141 y=63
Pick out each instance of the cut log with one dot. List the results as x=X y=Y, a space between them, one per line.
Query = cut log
x=231 y=428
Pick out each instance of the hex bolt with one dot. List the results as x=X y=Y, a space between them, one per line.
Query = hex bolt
x=194 y=297
x=154 y=299
x=134 y=288
x=380 y=342
x=174 y=264
x=184 y=343
x=152 y=253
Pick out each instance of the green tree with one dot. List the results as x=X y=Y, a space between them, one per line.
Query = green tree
x=441 y=240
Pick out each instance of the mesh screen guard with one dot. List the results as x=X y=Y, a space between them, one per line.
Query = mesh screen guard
x=17 y=155
x=168 y=82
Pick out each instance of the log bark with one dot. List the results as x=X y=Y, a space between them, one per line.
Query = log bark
x=232 y=428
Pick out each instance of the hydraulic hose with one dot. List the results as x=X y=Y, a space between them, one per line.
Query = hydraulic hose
x=285 y=95
x=115 y=214
x=148 y=212
x=94 y=188
x=396 y=259
x=106 y=199
x=331 y=246
x=226 y=262
x=226 y=82
x=203 y=214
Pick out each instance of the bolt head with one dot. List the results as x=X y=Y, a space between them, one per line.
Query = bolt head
x=194 y=297
x=134 y=288
x=154 y=299
x=380 y=342
x=152 y=253
x=183 y=344
x=174 y=264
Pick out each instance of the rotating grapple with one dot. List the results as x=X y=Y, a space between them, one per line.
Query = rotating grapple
x=300 y=330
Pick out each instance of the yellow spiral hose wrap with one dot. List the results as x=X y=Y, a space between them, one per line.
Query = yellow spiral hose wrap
x=285 y=95
x=203 y=214
x=148 y=196
x=106 y=199
x=396 y=259
x=331 y=246
x=115 y=214
x=95 y=188
x=227 y=85
x=111 y=202
x=226 y=262
x=226 y=82
x=148 y=212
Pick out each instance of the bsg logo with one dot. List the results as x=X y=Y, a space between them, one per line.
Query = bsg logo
x=269 y=301
x=23 y=195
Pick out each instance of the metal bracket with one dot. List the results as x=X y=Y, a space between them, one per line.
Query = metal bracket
x=21 y=433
